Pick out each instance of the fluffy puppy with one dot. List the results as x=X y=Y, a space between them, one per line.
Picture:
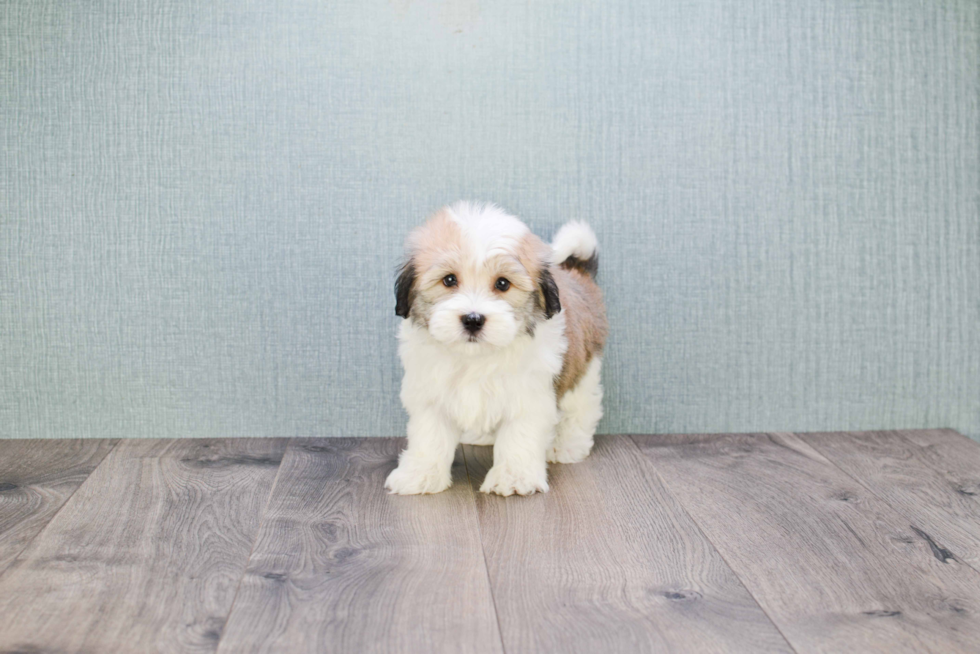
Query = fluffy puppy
x=501 y=344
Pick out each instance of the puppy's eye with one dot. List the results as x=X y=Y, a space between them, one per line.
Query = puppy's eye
x=449 y=280
x=502 y=284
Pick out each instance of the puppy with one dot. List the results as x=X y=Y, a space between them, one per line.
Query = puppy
x=501 y=344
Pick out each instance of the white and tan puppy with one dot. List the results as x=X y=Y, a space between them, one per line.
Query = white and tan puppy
x=502 y=344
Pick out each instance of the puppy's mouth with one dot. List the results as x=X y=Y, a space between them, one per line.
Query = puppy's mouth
x=473 y=344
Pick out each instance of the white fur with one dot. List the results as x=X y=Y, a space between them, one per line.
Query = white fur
x=494 y=388
x=574 y=239
x=499 y=329
x=504 y=396
x=488 y=228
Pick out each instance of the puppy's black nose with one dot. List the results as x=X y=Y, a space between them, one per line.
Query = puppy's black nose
x=473 y=322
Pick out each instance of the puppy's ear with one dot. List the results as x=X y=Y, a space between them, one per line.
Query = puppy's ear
x=549 y=289
x=404 y=290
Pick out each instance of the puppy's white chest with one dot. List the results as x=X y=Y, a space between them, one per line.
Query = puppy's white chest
x=478 y=392
x=480 y=400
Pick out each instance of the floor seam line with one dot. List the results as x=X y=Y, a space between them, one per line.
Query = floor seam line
x=483 y=550
x=31 y=541
x=632 y=439
x=251 y=551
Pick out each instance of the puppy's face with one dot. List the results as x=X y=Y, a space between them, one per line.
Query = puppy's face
x=476 y=278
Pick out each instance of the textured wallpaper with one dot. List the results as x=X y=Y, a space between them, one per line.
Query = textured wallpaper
x=203 y=204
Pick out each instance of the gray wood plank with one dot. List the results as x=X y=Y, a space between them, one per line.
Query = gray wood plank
x=608 y=561
x=341 y=566
x=936 y=486
x=951 y=453
x=36 y=478
x=835 y=567
x=146 y=555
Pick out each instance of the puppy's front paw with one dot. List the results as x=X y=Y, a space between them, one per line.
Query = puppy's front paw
x=504 y=480
x=417 y=479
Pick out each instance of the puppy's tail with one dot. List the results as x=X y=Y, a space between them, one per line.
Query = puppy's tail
x=576 y=247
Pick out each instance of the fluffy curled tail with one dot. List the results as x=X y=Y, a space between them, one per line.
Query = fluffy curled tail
x=575 y=246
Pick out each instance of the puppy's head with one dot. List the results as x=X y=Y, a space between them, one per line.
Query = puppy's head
x=476 y=277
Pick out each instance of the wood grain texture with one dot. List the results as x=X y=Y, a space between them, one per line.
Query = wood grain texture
x=146 y=555
x=935 y=484
x=340 y=566
x=608 y=561
x=835 y=567
x=952 y=454
x=36 y=478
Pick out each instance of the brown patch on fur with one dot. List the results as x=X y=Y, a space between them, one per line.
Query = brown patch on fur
x=588 y=266
x=532 y=252
x=586 y=326
x=433 y=241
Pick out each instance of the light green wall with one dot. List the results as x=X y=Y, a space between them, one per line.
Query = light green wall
x=203 y=204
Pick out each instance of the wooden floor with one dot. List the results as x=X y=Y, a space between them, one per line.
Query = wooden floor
x=838 y=542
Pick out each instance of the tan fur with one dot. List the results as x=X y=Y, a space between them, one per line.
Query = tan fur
x=585 y=324
x=533 y=253
x=438 y=238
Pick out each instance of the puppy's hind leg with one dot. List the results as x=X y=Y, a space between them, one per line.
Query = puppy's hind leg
x=581 y=409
